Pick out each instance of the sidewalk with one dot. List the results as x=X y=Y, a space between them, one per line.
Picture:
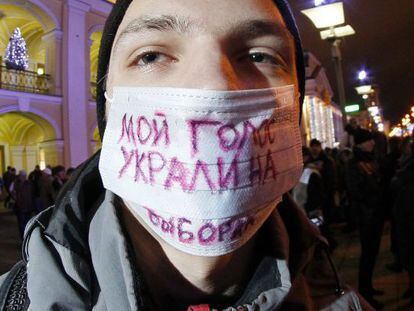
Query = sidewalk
x=346 y=258
x=10 y=244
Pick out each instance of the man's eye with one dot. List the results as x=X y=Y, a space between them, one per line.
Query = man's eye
x=149 y=58
x=262 y=58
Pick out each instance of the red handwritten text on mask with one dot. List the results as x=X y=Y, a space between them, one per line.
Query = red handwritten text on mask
x=208 y=233
x=143 y=140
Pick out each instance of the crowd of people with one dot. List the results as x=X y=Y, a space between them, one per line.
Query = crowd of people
x=28 y=195
x=366 y=182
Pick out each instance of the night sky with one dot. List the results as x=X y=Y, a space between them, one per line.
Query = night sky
x=383 y=45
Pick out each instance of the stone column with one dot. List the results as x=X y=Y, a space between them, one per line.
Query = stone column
x=53 y=152
x=16 y=153
x=53 y=65
x=31 y=158
x=77 y=83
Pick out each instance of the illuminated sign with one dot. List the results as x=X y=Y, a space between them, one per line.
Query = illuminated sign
x=351 y=108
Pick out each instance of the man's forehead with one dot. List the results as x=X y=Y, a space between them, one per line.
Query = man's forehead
x=187 y=25
x=228 y=9
x=203 y=17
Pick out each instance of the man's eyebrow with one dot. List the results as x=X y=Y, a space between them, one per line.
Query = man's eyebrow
x=157 y=23
x=252 y=29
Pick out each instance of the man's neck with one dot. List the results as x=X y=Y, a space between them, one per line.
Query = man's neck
x=177 y=279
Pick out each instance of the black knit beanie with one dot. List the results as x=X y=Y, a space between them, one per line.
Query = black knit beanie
x=114 y=20
x=361 y=136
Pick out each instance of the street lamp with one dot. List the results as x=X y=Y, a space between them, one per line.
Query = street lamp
x=328 y=18
x=364 y=88
x=362 y=75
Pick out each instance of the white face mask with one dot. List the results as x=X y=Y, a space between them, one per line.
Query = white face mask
x=203 y=169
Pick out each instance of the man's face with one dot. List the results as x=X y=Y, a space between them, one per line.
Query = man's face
x=315 y=150
x=214 y=44
x=353 y=123
x=61 y=175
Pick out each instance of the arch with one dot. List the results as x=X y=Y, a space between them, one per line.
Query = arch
x=21 y=123
x=27 y=140
x=95 y=28
x=40 y=10
x=15 y=108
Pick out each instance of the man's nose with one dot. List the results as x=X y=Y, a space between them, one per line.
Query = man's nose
x=212 y=70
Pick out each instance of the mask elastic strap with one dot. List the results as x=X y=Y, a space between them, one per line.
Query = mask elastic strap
x=109 y=100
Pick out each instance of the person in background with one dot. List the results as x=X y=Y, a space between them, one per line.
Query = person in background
x=46 y=189
x=308 y=192
x=348 y=210
x=21 y=191
x=347 y=140
x=335 y=153
x=1 y=189
x=326 y=166
x=7 y=173
x=34 y=178
x=69 y=172
x=406 y=152
x=328 y=152
x=381 y=145
x=364 y=189
x=59 y=178
x=403 y=215
x=8 y=178
x=389 y=167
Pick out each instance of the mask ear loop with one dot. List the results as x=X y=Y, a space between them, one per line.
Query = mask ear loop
x=109 y=100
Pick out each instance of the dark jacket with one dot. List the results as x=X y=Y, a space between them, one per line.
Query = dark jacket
x=364 y=186
x=327 y=168
x=403 y=212
x=78 y=258
x=35 y=177
x=23 y=195
x=46 y=192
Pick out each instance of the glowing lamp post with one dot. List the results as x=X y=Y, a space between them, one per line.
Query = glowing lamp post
x=330 y=19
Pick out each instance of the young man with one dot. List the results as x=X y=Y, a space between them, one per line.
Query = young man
x=201 y=142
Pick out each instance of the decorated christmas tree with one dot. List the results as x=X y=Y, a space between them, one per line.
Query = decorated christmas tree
x=16 y=52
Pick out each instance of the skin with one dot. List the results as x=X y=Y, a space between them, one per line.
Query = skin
x=315 y=150
x=219 y=45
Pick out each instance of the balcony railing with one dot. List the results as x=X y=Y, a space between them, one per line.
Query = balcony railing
x=24 y=81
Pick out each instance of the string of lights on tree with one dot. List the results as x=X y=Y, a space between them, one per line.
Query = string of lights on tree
x=16 y=52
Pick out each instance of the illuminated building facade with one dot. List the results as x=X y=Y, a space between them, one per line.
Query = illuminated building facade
x=321 y=118
x=47 y=112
